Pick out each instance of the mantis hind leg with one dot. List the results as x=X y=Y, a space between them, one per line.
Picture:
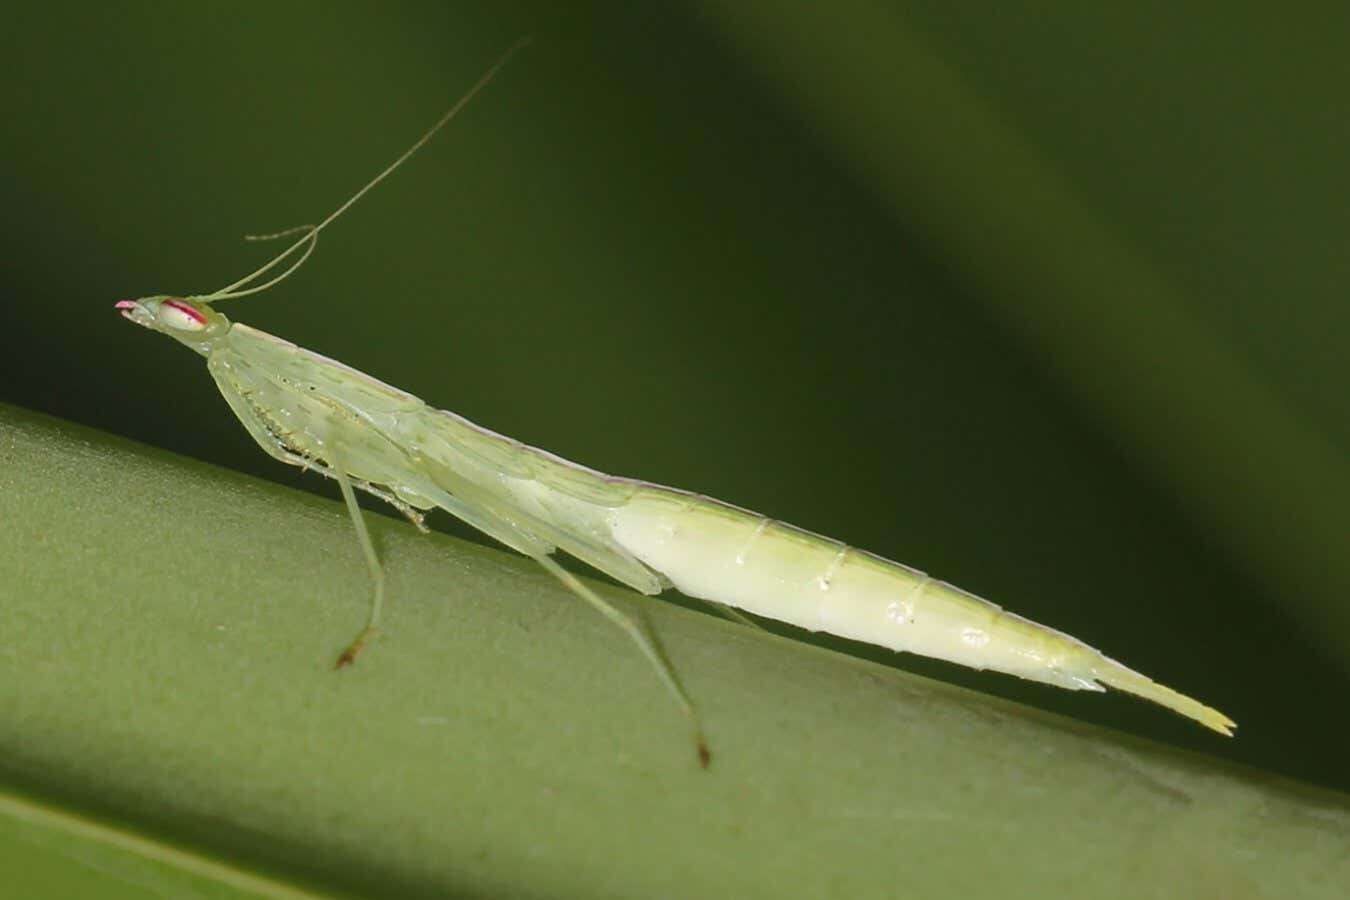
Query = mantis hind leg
x=732 y=614
x=487 y=520
x=371 y=628
x=646 y=643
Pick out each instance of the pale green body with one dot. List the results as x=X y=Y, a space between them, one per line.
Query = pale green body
x=311 y=411
x=299 y=405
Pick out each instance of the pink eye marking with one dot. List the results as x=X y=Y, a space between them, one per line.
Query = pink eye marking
x=186 y=310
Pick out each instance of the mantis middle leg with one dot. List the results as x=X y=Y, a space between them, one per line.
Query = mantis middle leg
x=354 y=649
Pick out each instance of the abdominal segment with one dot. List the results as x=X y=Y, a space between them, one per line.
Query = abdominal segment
x=717 y=552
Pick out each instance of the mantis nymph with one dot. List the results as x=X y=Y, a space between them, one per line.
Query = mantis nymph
x=313 y=412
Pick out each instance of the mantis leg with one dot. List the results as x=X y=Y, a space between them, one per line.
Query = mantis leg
x=372 y=562
x=503 y=530
x=646 y=643
x=733 y=614
x=274 y=446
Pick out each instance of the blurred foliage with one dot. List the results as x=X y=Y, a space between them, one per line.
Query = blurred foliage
x=1048 y=300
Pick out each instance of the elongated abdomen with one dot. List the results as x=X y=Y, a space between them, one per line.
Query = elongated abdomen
x=717 y=552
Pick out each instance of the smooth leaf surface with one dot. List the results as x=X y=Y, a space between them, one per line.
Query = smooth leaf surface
x=176 y=626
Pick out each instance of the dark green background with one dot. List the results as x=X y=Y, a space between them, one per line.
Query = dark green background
x=662 y=245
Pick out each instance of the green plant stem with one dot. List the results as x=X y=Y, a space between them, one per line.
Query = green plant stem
x=168 y=669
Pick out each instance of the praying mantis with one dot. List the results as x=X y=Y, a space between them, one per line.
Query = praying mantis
x=314 y=412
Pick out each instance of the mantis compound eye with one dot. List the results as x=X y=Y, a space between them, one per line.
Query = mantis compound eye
x=181 y=316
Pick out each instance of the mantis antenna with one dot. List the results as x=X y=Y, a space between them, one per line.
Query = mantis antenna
x=310 y=236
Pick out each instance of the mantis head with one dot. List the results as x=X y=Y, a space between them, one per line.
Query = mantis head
x=190 y=321
x=193 y=321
